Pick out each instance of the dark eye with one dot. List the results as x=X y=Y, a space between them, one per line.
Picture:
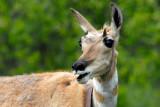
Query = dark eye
x=108 y=42
x=80 y=43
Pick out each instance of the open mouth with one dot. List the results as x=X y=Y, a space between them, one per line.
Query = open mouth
x=82 y=76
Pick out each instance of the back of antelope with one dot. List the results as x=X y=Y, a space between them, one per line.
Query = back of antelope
x=63 y=89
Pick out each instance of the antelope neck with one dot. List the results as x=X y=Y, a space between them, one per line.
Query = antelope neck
x=105 y=87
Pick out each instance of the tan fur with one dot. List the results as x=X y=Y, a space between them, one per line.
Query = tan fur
x=99 y=98
x=92 y=49
x=47 y=90
x=97 y=105
x=114 y=66
x=108 y=29
x=60 y=89
x=115 y=90
x=89 y=53
x=98 y=79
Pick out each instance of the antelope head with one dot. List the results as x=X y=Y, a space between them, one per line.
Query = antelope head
x=98 y=46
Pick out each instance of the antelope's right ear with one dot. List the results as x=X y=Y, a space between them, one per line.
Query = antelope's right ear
x=85 y=25
x=117 y=18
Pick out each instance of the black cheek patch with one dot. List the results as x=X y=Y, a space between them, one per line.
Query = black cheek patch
x=104 y=33
x=86 y=33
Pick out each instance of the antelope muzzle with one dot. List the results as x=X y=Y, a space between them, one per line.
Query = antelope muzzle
x=79 y=65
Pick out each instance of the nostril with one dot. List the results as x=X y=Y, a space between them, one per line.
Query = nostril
x=80 y=67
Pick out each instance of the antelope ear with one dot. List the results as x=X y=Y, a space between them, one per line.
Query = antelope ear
x=85 y=25
x=117 y=18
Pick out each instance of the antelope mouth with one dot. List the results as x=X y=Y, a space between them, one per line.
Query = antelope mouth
x=81 y=76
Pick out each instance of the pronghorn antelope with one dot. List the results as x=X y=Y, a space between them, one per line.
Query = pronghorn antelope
x=62 y=89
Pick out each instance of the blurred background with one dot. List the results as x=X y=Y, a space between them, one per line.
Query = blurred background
x=42 y=35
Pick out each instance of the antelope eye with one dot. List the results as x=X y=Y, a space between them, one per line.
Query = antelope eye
x=108 y=42
x=80 y=43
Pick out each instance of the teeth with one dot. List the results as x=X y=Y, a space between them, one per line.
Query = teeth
x=80 y=72
x=74 y=72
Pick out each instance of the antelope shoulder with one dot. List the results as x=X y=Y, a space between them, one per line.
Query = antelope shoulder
x=58 y=89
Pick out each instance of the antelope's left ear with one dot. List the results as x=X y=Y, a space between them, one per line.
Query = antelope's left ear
x=117 y=18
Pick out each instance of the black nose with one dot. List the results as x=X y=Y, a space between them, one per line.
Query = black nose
x=79 y=65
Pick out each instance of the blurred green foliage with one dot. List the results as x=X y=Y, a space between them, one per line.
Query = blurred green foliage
x=42 y=35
